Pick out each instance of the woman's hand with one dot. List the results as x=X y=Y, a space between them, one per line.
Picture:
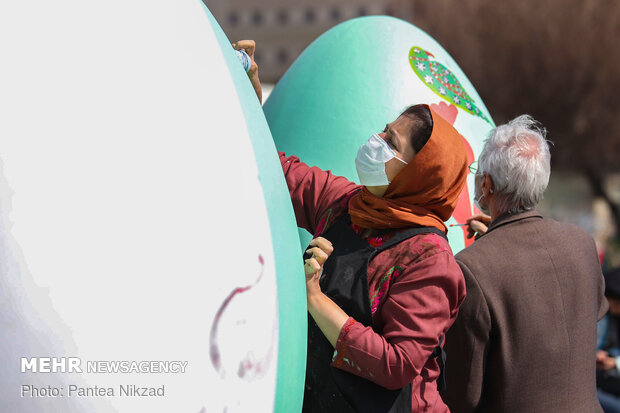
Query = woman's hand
x=328 y=316
x=320 y=250
x=249 y=46
x=477 y=224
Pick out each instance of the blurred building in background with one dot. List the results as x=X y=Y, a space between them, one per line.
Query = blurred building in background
x=282 y=29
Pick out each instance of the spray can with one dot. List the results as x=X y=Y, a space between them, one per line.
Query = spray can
x=245 y=60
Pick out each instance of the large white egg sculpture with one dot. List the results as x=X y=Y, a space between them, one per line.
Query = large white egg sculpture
x=357 y=77
x=149 y=260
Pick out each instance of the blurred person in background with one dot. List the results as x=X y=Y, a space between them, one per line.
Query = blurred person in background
x=525 y=337
x=608 y=354
x=381 y=280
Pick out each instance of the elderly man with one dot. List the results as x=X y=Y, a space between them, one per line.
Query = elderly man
x=525 y=337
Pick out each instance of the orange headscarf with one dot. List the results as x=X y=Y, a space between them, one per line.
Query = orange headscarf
x=425 y=192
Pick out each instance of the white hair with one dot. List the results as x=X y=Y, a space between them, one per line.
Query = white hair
x=516 y=157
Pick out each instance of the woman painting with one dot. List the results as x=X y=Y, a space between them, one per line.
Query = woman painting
x=382 y=283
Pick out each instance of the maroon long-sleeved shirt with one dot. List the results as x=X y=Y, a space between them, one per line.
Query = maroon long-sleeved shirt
x=415 y=289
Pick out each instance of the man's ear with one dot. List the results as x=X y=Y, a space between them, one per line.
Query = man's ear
x=488 y=183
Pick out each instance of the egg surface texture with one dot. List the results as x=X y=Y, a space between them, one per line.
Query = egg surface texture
x=146 y=232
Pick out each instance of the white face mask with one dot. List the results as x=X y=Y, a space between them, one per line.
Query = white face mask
x=371 y=159
x=477 y=203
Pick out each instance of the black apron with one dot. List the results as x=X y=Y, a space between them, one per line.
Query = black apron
x=345 y=281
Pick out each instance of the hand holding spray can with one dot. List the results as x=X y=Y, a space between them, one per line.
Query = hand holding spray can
x=245 y=60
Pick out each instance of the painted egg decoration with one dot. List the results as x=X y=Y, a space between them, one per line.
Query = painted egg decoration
x=442 y=81
x=146 y=231
x=359 y=76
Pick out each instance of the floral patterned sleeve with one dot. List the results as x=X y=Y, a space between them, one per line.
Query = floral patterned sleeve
x=419 y=307
x=315 y=193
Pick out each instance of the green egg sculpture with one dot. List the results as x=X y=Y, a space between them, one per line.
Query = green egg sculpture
x=357 y=77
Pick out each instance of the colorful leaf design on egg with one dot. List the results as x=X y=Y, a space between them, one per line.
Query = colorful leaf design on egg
x=442 y=81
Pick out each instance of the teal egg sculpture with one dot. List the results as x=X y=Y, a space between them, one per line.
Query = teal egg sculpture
x=150 y=258
x=357 y=77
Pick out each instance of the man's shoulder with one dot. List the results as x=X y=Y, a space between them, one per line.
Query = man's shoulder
x=473 y=258
x=563 y=235
x=483 y=246
x=564 y=227
x=505 y=238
